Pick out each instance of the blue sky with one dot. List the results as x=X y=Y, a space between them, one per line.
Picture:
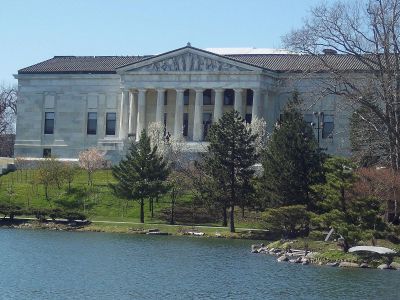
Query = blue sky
x=35 y=30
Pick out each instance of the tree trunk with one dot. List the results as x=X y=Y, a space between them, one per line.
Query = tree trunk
x=224 y=216
x=243 y=212
x=172 y=220
x=152 y=208
x=232 y=223
x=141 y=210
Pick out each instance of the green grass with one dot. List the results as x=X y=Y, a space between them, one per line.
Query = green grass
x=19 y=188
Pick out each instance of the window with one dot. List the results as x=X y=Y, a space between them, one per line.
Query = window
x=49 y=123
x=185 y=124
x=111 y=119
x=92 y=123
x=207 y=97
x=165 y=124
x=309 y=119
x=46 y=152
x=207 y=122
x=166 y=97
x=249 y=97
x=248 y=118
x=327 y=129
x=186 y=97
x=229 y=97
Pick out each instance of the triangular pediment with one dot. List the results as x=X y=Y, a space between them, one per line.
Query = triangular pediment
x=188 y=59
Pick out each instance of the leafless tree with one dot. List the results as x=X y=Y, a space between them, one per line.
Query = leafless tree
x=8 y=111
x=368 y=77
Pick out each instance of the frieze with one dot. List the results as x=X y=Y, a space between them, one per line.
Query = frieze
x=190 y=62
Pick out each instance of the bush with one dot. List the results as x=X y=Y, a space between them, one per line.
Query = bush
x=317 y=235
x=11 y=211
x=289 y=221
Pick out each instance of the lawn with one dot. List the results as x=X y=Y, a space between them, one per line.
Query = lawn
x=100 y=204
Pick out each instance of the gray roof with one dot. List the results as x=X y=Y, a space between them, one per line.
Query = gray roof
x=273 y=62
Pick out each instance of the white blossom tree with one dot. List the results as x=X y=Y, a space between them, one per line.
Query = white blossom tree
x=258 y=127
x=91 y=160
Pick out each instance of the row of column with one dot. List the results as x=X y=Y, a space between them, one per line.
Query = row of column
x=133 y=117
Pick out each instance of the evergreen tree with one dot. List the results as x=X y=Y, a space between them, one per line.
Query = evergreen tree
x=352 y=217
x=141 y=174
x=231 y=153
x=292 y=161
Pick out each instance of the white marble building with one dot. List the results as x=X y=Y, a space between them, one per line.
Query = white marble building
x=69 y=103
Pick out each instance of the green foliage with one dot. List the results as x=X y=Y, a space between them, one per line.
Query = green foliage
x=50 y=173
x=227 y=164
x=141 y=174
x=289 y=221
x=352 y=217
x=292 y=162
x=11 y=210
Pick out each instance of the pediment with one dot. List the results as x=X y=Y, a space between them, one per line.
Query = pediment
x=188 y=59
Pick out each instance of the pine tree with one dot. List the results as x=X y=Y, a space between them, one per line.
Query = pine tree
x=141 y=174
x=231 y=154
x=292 y=161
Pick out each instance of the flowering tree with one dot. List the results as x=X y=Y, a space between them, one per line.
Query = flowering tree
x=258 y=127
x=91 y=160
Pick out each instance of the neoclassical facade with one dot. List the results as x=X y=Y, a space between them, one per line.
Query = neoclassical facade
x=68 y=103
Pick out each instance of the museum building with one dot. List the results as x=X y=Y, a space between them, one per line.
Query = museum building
x=71 y=103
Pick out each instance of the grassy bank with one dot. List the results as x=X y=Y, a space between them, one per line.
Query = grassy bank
x=99 y=203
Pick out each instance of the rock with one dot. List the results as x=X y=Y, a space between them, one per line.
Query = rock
x=364 y=266
x=282 y=258
x=346 y=264
x=384 y=267
x=304 y=260
x=255 y=248
x=332 y=264
x=395 y=265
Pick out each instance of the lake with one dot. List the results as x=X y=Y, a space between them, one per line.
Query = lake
x=84 y=265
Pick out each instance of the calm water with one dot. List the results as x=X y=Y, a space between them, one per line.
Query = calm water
x=63 y=265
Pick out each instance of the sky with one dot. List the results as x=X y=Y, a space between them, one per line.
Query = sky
x=36 y=30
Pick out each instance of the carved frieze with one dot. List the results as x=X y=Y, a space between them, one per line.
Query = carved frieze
x=190 y=62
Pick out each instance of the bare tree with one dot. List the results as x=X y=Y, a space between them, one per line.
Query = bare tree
x=368 y=75
x=8 y=111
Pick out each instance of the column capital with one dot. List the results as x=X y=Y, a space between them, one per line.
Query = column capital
x=180 y=90
x=142 y=90
x=238 y=90
x=161 y=90
x=199 y=90
x=219 y=90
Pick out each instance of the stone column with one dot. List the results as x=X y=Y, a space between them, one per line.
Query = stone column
x=160 y=106
x=141 y=116
x=198 y=117
x=178 y=129
x=132 y=113
x=270 y=111
x=255 y=111
x=218 y=104
x=239 y=101
x=123 y=115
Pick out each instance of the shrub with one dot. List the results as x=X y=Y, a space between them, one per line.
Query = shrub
x=11 y=211
x=289 y=221
x=317 y=235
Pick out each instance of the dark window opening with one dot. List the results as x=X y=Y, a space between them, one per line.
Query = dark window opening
x=248 y=118
x=229 y=97
x=166 y=97
x=249 y=97
x=165 y=124
x=309 y=119
x=328 y=125
x=207 y=122
x=207 y=97
x=111 y=119
x=185 y=124
x=46 y=152
x=92 y=123
x=186 y=97
x=49 y=123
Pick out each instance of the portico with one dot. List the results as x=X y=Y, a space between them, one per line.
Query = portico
x=187 y=90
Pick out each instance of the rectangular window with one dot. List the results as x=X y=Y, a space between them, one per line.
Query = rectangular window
x=328 y=125
x=207 y=97
x=249 y=97
x=165 y=124
x=207 y=122
x=49 y=123
x=46 y=152
x=166 y=97
x=111 y=119
x=229 y=97
x=92 y=123
x=248 y=118
x=185 y=124
x=186 y=97
x=309 y=119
